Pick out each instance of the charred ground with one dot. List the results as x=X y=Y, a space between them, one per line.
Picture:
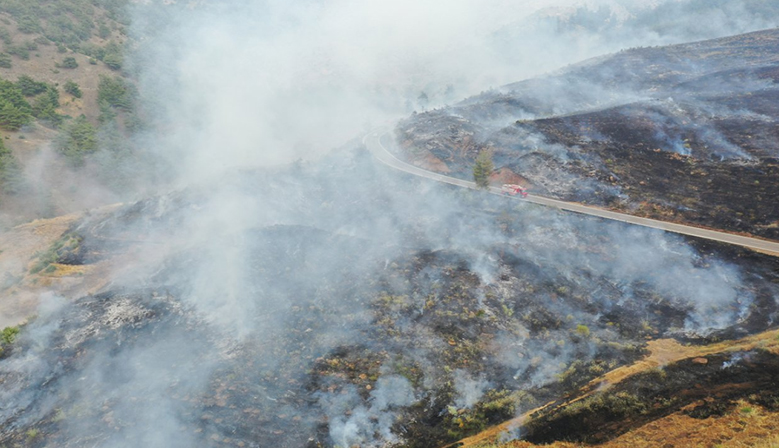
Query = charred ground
x=462 y=312
x=685 y=133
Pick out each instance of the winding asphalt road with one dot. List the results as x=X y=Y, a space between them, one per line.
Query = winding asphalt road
x=374 y=142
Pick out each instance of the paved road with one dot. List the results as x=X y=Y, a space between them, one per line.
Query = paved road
x=375 y=142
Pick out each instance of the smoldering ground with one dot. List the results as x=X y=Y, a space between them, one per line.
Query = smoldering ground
x=334 y=302
x=626 y=130
x=369 y=309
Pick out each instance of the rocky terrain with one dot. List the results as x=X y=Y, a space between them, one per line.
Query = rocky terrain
x=685 y=133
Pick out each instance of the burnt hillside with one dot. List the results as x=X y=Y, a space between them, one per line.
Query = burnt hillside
x=686 y=132
x=341 y=307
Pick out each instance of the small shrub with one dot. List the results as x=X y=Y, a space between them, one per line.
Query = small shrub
x=112 y=56
x=116 y=93
x=509 y=312
x=5 y=36
x=103 y=31
x=18 y=50
x=113 y=61
x=29 y=25
x=30 y=87
x=73 y=89
x=8 y=335
x=78 y=139
x=69 y=62
x=45 y=106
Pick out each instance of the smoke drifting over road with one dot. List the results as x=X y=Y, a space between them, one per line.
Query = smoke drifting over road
x=287 y=293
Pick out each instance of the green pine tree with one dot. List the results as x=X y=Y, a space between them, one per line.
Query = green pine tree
x=78 y=139
x=482 y=169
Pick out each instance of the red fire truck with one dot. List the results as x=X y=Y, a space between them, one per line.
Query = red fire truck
x=513 y=190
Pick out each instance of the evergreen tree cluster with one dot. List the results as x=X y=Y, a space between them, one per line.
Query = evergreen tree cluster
x=26 y=99
x=77 y=140
x=71 y=25
x=70 y=22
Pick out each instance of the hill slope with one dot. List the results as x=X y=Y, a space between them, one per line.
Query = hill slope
x=357 y=312
x=687 y=132
x=69 y=107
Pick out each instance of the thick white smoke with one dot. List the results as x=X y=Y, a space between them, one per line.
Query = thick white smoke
x=258 y=84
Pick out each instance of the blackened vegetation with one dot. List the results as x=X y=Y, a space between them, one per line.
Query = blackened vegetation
x=66 y=250
x=428 y=317
x=711 y=387
x=685 y=132
x=761 y=274
x=482 y=309
x=84 y=349
x=677 y=170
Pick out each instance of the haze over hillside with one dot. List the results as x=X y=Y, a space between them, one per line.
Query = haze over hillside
x=685 y=133
x=237 y=269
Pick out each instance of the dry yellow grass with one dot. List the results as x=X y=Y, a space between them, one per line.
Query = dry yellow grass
x=746 y=426
x=662 y=352
x=66 y=270
x=18 y=247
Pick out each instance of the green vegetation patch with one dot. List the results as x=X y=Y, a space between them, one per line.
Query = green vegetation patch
x=11 y=177
x=15 y=111
x=30 y=87
x=495 y=407
x=78 y=139
x=7 y=338
x=73 y=88
x=69 y=62
x=69 y=22
x=482 y=169
x=66 y=250
x=115 y=92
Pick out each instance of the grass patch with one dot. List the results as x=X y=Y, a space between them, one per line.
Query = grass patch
x=62 y=250
x=7 y=338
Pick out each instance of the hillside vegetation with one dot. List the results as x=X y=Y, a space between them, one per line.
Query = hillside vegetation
x=67 y=106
